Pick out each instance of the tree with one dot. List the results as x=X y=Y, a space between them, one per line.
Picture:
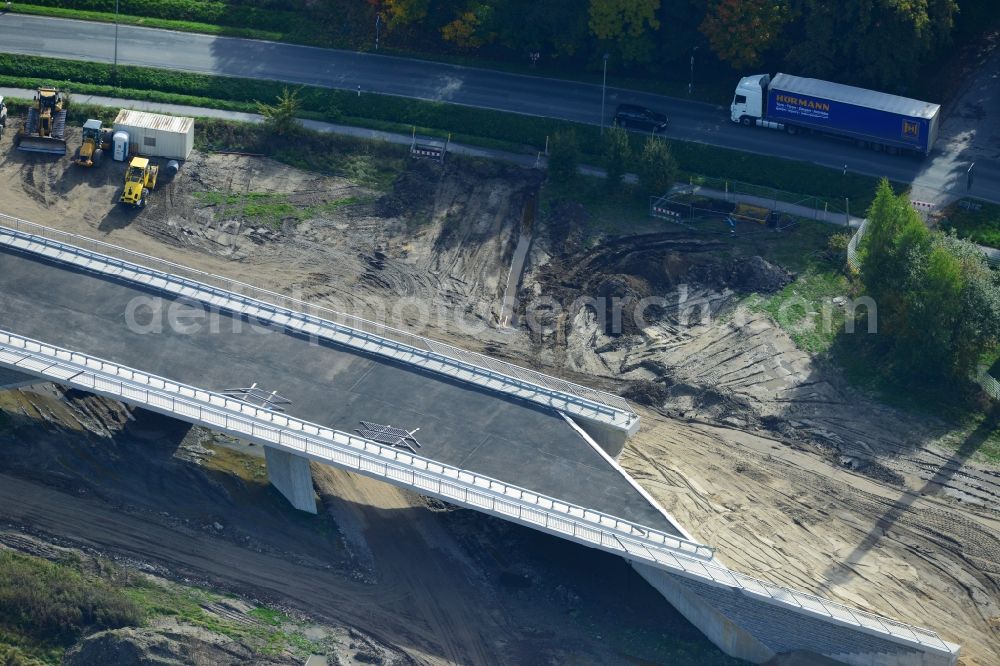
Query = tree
x=880 y=43
x=627 y=24
x=403 y=12
x=938 y=301
x=554 y=28
x=976 y=328
x=564 y=157
x=469 y=29
x=924 y=342
x=657 y=168
x=617 y=154
x=739 y=31
x=282 y=117
x=894 y=236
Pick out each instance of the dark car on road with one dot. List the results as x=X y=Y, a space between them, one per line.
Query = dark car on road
x=635 y=117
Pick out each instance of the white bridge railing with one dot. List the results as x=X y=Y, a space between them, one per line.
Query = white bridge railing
x=373 y=337
x=663 y=551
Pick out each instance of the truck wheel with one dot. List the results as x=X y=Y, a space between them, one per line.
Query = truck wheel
x=745 y=121
x=791 y=129
x=98 y=154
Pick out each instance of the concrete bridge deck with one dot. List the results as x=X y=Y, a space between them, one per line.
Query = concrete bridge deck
x=508 y=416
x=459 y=424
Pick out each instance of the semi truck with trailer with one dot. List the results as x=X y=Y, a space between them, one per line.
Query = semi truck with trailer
x=869 y=118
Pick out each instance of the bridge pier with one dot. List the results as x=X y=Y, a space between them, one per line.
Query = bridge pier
x=11 y=379
x=290 y=474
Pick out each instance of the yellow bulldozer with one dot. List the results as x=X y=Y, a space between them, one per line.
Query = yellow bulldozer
x=45 y=127
x=95 y=141
x=140 y=180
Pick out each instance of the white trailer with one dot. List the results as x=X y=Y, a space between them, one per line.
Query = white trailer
x=157 y=135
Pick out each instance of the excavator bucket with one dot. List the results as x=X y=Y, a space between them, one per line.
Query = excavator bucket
x=42 y=144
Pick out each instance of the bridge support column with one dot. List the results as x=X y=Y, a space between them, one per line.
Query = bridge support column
x=290 y=474
x=609 y=438
x=11 y=379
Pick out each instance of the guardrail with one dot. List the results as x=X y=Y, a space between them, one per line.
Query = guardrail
x=218 y=411
x=344 y=328
x=663 y=551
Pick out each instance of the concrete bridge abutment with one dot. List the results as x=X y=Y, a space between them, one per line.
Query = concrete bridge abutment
x=291 y=475
x=610 y=438
x=763 y=631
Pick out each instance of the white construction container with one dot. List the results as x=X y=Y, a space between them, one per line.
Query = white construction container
x=157 y=135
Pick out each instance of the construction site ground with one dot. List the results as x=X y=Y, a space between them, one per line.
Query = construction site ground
x=755 y=446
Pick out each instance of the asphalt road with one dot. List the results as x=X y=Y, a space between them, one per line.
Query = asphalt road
x=570 y=100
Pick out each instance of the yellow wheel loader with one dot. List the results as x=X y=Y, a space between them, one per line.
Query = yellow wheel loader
x=140 y=180
x=45 y=127
x=95 y=142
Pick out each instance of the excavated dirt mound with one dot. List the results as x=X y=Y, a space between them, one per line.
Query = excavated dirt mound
x=757 y=275
x=645 y=392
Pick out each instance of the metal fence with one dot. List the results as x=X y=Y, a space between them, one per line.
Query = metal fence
x=852 y=247
x=828 y=208
x=989 y=383
x=664 y=551
x=315 y=319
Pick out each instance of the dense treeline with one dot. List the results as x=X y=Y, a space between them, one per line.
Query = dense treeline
x=878 y=43
x=881 y=43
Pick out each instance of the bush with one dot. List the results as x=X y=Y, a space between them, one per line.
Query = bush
x=55 y=604
x=656 y=167
x=617 y=155
x=564 y=157
x=12 y=656
x=282 y=116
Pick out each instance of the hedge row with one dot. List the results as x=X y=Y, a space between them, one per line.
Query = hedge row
x=495 y=128
x=272 y=16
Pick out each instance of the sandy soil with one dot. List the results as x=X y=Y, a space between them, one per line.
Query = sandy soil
x=755 y=448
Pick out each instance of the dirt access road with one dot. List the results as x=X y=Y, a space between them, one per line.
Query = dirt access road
x=810 y=483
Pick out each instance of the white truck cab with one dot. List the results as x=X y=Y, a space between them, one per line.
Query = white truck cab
x=748 y=102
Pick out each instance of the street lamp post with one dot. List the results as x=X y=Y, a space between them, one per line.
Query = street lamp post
x=691 y=80
x=378 y=28
x=604 y=87
x=114 y=69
